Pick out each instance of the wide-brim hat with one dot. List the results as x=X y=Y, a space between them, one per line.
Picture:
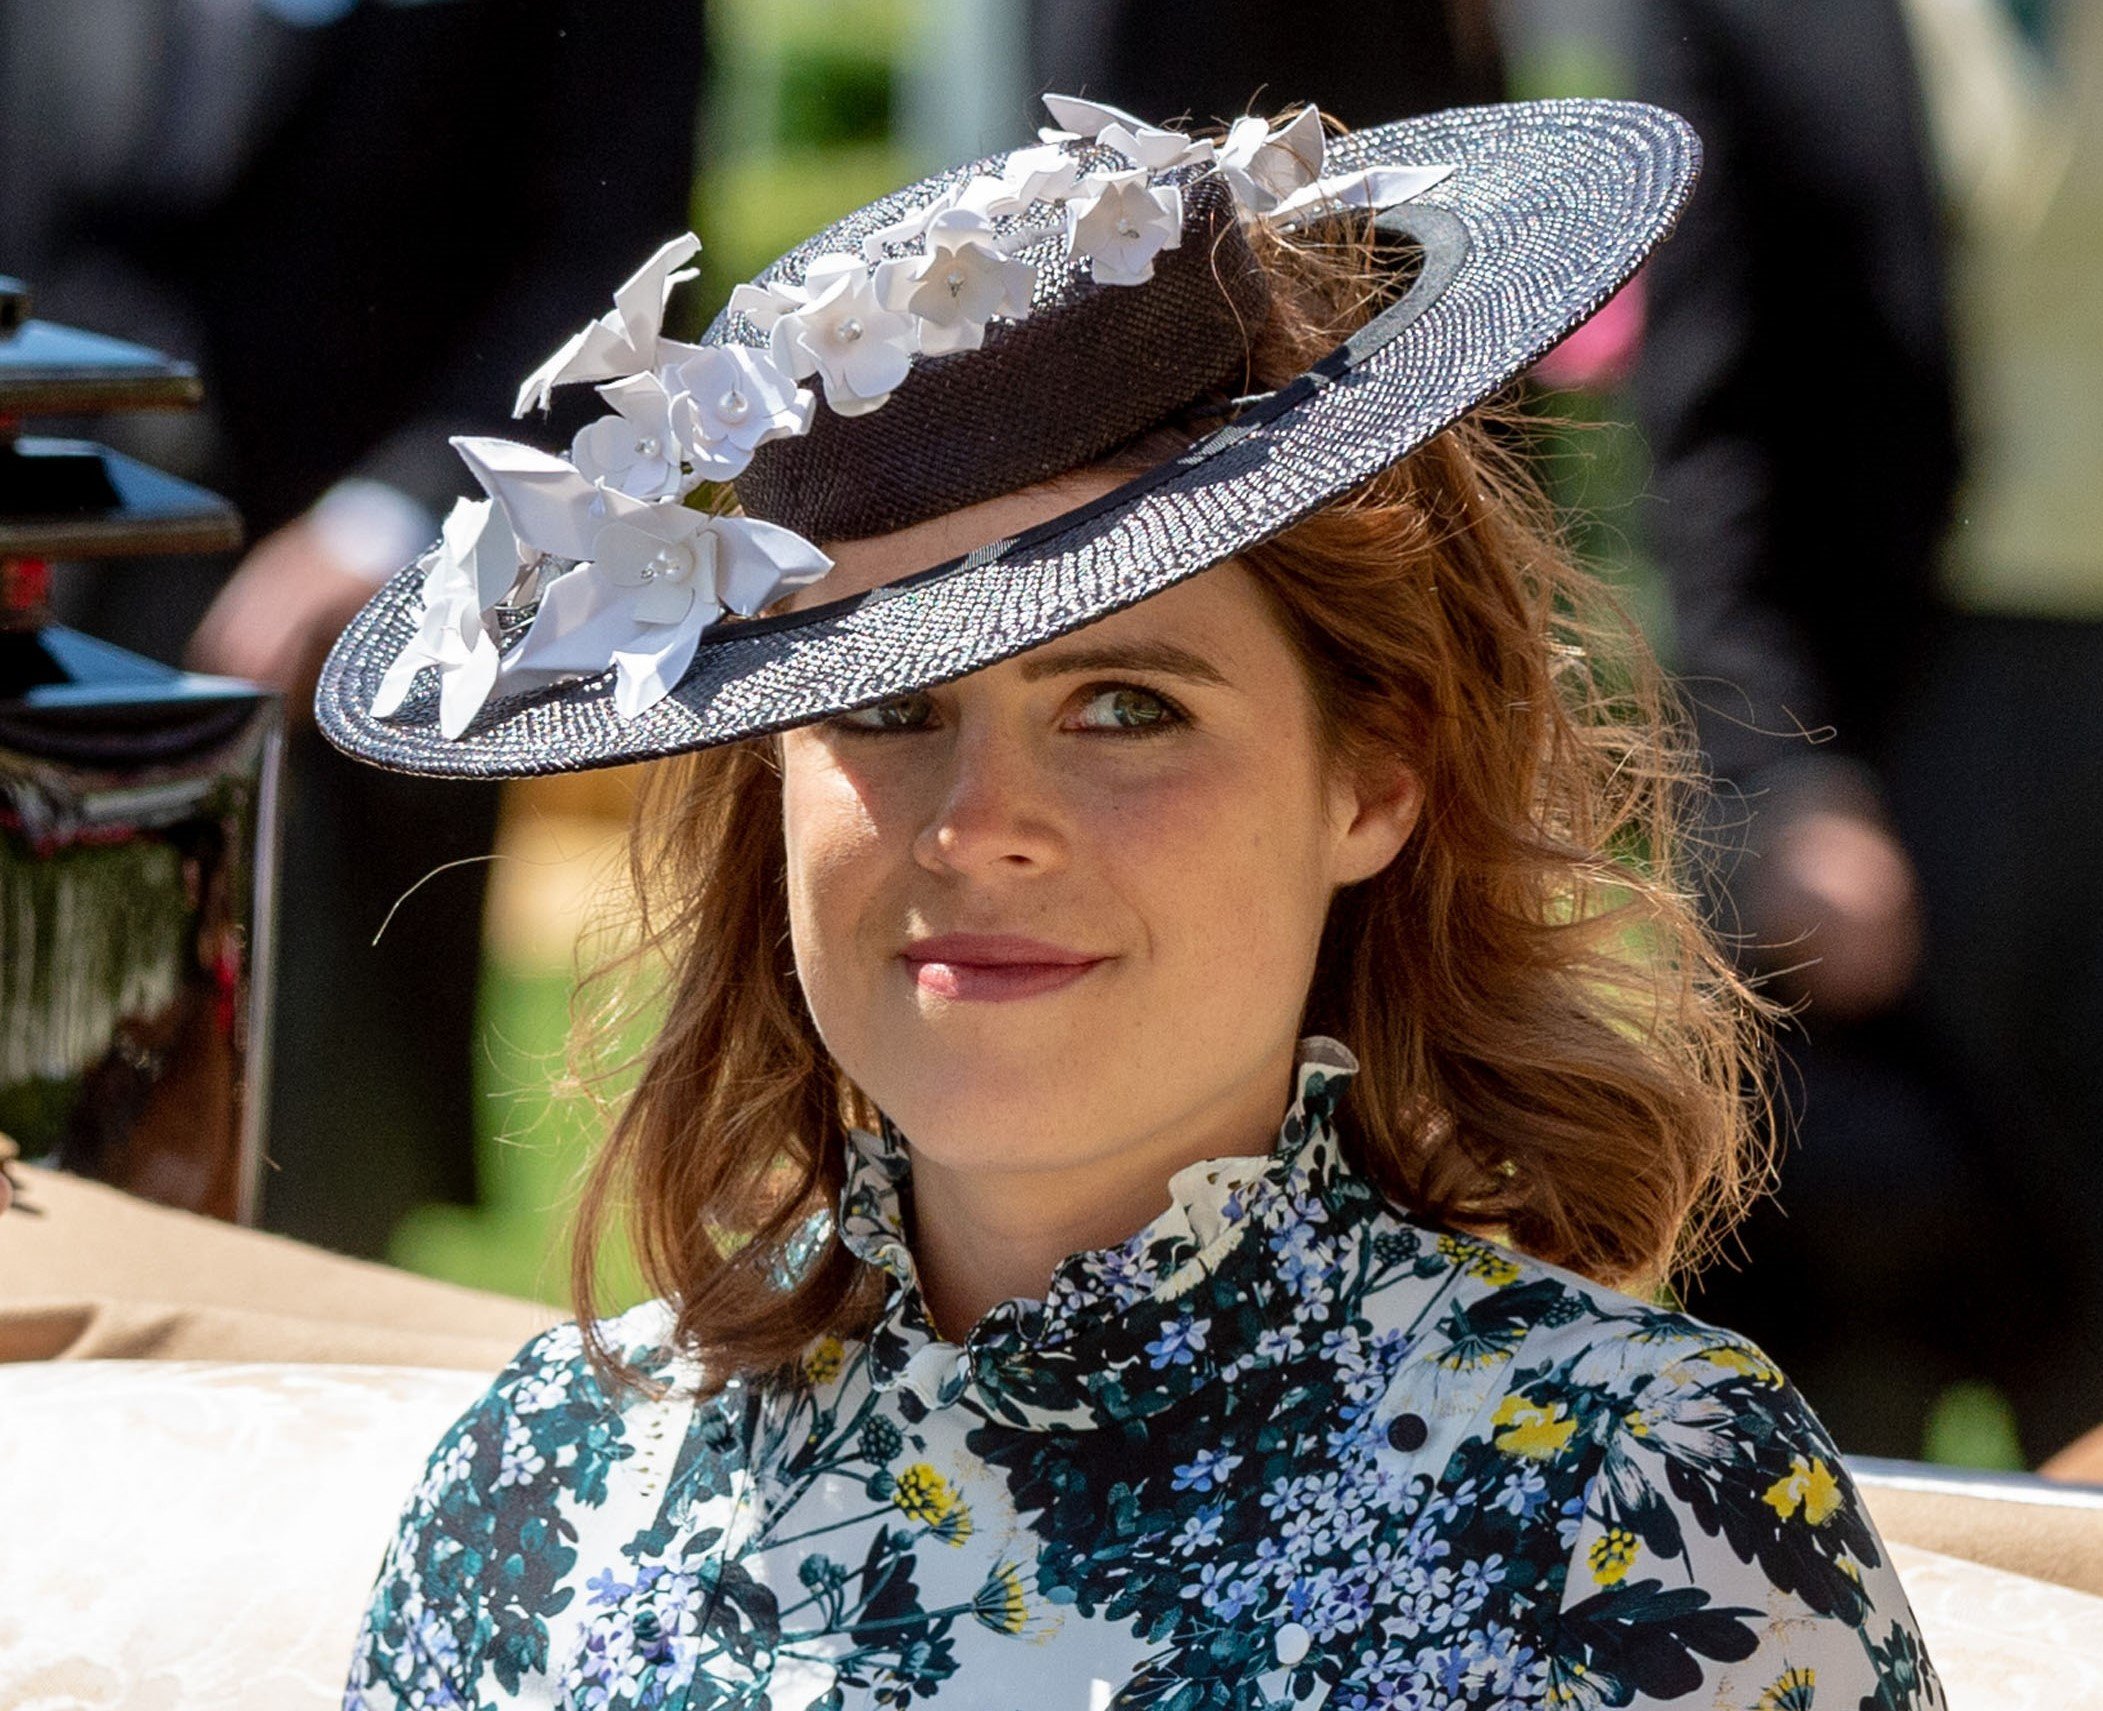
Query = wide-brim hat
x=1543 y=211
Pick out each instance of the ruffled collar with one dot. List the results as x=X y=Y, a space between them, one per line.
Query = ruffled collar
x=1127 y=1330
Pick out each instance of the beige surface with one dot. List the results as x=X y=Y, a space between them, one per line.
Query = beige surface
x=2037 y=1531
x=88 y=1272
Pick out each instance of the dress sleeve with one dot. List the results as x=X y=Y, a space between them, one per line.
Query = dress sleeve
x=482 y=1557
x=1724 y=1558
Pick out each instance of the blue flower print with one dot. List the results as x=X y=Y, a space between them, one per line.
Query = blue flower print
x=1180 y=1343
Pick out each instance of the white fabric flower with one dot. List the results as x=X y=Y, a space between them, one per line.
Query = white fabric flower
x=662 y=575
x=763 y=305
x=911 y=226
x=1144 y=145
x=859 y=349
x=729 y=399
x=664 y=558
x=1369 y=187
x=1263 y=167
x=959 y=284
x=626 y=340
x=1155 y=149
x=1030 y=176
x=551 y=506
x=634 y=450
x=1077 y=117
x=1122 y=225
x=472 y=568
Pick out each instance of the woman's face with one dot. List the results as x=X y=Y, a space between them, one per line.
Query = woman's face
x=1068 y=907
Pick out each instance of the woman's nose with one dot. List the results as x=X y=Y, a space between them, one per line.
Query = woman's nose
x=995 y=810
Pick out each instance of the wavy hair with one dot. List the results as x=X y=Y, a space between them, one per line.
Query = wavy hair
x=1555 y=1048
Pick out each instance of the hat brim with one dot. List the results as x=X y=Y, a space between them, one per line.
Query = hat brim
x=1554 y=205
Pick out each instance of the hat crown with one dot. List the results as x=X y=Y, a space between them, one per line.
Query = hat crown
x=1092 y=366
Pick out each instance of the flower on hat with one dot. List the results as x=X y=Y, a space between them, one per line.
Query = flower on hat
x=664 y=559
x=1123 y=225
x=661 y=575
x=1144 y=145
x=634 y=450
x=471 y=569
x=1030 y=176
x=547 y=500
x=1264 y=166
x=959 y=283
x=626 y=340
x=859 y=349
x=729 y=399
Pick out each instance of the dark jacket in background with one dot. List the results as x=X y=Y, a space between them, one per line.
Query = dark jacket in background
x=365 y=221
x=1795 y=381
x=1937 y=1219
x=1216 y=59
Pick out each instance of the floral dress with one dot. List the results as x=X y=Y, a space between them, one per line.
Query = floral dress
x=1286 y=1447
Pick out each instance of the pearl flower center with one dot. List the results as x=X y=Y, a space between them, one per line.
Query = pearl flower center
x=673 y=562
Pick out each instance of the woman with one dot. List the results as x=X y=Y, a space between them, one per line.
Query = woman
x=1188 y=1054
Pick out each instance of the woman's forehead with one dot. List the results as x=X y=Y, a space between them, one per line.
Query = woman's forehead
x=859 y=566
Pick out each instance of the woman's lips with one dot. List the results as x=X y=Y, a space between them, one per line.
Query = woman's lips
x=993 y=967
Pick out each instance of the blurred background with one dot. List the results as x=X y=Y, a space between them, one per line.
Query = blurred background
x=1839 y=446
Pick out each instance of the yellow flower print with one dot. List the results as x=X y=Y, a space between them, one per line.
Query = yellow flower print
x=822 y=1364
x=1001 y=1604
x=1790 y=1691
x=1532 y=1431
x=1611 y=1555
x=1750 y=1362
x=1478 y=1259
x=1808 y=1485
x=923 y=1495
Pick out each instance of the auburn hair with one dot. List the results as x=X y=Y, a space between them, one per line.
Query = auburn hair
x=1555 y=1048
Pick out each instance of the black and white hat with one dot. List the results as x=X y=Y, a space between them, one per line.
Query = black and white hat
x=988 y=328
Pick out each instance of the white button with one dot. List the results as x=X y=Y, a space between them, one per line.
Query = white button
x=1292 y=1643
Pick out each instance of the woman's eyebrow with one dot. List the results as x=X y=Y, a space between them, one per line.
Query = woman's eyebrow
x=1162 y=657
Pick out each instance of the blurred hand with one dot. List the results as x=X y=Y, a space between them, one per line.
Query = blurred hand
x=274 y=621
x=1835 y=902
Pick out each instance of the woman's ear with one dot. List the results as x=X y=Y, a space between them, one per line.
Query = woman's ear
x=1374 y=810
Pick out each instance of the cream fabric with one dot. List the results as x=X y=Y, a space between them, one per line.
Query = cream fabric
x=2003 y=1642
x=179 y=1536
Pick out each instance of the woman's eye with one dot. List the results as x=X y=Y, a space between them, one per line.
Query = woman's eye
x=1125 y=708
x=901 y=713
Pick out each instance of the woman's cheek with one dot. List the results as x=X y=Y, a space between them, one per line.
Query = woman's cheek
x=835 y=870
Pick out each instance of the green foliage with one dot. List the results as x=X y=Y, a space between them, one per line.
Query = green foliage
x=531 y=1145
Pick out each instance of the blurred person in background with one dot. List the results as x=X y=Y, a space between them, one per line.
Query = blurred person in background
x=362 y=219
x=1213 y=58
x=1873 y=382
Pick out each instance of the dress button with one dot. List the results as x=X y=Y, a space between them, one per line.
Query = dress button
x=1292 y=1643
x=1407 y=1431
